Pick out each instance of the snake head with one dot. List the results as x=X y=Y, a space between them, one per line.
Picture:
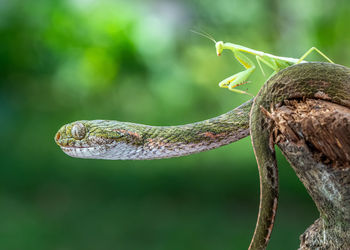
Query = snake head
x=88 y=139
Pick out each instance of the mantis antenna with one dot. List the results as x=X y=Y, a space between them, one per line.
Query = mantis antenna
x=204 y=34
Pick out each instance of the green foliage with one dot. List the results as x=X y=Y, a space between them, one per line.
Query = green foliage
x=137 y=61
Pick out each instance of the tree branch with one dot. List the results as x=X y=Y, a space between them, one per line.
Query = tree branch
x=314 y=136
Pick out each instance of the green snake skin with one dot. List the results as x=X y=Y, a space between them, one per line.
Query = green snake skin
x=101 y=139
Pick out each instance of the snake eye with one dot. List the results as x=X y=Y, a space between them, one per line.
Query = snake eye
x=78 y=131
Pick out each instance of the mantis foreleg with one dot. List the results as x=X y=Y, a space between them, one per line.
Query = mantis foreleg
x=241 y=77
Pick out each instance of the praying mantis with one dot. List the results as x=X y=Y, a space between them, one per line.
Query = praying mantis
x=276 y=63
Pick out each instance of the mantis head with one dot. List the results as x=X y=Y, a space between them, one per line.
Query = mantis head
x=219 y=47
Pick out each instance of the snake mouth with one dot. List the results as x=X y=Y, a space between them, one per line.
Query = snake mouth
x=82 y=152
x=73 y=147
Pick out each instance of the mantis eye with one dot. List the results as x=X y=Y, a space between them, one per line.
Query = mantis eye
x=78 y=131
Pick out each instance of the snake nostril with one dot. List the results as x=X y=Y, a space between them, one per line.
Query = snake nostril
x=58 y=136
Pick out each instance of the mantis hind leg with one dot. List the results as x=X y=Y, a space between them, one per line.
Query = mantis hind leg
x=318 y=51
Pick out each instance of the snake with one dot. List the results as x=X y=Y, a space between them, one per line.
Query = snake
x=115 y=140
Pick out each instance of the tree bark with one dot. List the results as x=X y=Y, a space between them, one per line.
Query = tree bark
x=314 y=136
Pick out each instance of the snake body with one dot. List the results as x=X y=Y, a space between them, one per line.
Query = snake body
x=102 y=139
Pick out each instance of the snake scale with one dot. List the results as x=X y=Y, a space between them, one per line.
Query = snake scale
x=103 y=139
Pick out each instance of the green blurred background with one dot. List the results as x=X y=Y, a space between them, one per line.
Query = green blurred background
x=137 y=61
